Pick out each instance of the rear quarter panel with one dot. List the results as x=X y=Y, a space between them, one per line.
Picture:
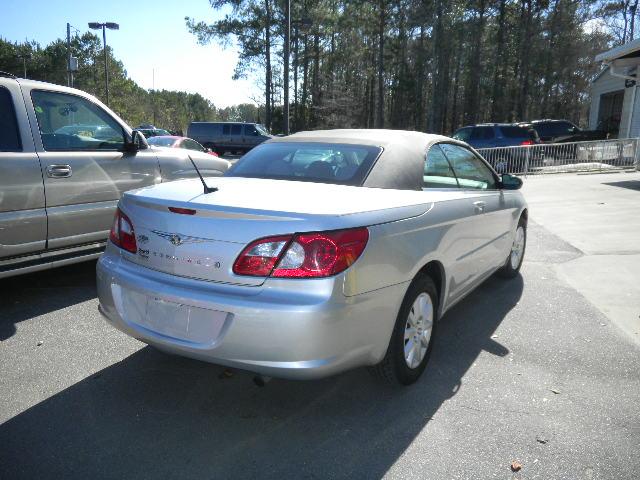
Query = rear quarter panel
x=397 y=251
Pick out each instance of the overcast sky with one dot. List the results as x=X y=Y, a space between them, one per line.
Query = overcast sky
x=152 y=36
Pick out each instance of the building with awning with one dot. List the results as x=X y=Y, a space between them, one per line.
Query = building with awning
x=615 y=102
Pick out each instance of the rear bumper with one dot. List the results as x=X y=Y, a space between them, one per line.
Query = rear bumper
x=299 y=329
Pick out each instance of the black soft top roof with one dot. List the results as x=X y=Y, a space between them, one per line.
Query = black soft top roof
x=401 y=163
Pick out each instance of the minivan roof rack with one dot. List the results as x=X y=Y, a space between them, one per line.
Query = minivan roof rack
x=7 y=74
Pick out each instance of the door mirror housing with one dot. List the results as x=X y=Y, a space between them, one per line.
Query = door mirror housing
x=138 y=142
x=510 y=182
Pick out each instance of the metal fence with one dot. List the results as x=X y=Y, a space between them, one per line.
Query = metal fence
x=599 y=155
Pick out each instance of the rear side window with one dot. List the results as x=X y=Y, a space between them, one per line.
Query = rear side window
x=482 y=133
x=72 y=123
x=226 y=129
x=9 y=134
x=236 y=129
x=437 y=170
x=470 y=171
x=515 y=132
x=308 y=162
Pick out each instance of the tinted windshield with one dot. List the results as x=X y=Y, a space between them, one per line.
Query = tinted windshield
x=311 y=162
x=161 y=141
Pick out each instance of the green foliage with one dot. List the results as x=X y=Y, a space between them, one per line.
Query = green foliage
x=426 y=65
x=166 y=109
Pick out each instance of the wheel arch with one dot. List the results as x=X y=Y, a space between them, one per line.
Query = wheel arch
x=435 y=270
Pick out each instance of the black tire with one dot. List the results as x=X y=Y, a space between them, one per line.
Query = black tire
x=394 y=368
x=508 y=270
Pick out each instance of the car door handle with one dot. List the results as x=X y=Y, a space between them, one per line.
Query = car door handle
x=479 y=206
x=59 y=171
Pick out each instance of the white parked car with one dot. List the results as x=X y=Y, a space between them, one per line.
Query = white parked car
x=314 y=254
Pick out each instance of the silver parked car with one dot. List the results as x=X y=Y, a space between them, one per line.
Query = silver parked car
x=315 y=253
x=65 y=160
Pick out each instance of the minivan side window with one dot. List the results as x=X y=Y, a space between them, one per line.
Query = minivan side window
x=72 y=123
x=470 y=171
x=437 y=170
x=226 y=129
x=236 y=129
x=9 y=133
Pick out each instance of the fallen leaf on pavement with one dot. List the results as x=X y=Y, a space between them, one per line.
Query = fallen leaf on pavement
x=516 y=466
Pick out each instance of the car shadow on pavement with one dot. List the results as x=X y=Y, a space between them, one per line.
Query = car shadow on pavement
x=630 y=184
x=27 y=296
x=156 y=416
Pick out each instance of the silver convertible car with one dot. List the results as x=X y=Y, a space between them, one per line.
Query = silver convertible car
x=315 y=253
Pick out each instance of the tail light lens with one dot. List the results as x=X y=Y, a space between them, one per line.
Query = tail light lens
x=304 y=255
x=527 y=142
x=122 y=233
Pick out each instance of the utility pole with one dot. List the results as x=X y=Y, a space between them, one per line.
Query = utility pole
x=287 y=41
x=68 y=54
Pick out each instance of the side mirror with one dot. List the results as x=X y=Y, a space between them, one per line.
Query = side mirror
x=138 y=142
x=510 y=182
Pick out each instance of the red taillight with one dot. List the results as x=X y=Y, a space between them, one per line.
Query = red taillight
x=259 y=258
x=122 y=233
x=183 y=211
x=305 y=255
x=527 y=142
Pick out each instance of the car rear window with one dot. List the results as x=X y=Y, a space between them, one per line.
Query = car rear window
x=515 y=132
x=310 y=162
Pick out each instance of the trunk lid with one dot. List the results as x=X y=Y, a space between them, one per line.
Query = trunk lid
x=206 y=244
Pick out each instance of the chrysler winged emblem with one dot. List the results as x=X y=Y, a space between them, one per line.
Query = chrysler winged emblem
x=177 y=239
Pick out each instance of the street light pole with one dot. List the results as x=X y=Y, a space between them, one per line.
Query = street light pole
x=106 y=63
x=24 y=57
x=287 y=34
x=104 y=26
x=68 y=54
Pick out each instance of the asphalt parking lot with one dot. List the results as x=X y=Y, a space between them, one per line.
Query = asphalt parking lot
x=533 y=370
